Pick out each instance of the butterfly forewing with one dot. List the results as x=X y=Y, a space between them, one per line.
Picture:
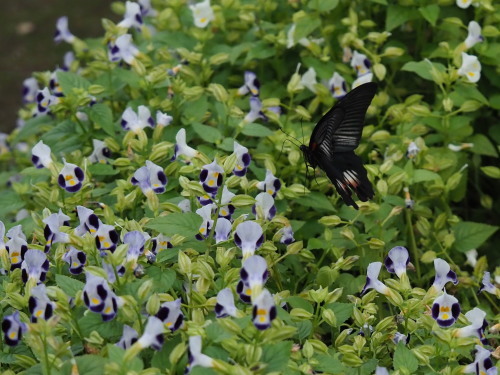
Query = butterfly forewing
x=339 y=130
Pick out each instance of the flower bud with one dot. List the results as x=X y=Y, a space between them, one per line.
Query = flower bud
x=153 y=304
x=329 y=317
x=307 y=350
x=380 y=136
x=219 y=58
x=380 y=71
x=177 y=353
x=145 y=289
x=352 y=360
x=242 y=200
x=294 y=84
x=218 y=91
x=470 y=106
x=185 y=266
x=299 y=314
x=330 y=221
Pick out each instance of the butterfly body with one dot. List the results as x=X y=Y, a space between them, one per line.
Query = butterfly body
x=333 y=141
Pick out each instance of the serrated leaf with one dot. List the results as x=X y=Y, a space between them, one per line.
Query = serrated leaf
x=102 y=115
x=185 y=224
x=69 y=285
x=93 y=322
x=69 y=81
x=470 y=235
x=256 y=130
x=207 y=133
x=276 y=355
x=299 y=302
x=404 y=359
x=430 y=13
x=328 y=364
x=163 y=278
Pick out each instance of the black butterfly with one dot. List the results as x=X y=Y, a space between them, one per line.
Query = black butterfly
x=334 y=139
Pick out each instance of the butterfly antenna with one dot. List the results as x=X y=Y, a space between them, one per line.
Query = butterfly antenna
x=301 y=128
x=288 y=135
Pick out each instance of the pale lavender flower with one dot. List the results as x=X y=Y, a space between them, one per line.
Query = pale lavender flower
x=397 y=260
x=106 y=237
x=99 y=297
x=445 y=310
x=482 y=364
x=211 y=177
x=338 y=86
x=251 y=85
x=137 y=121
x=39 y=304
x=243 y=160
x=170 y=314
x=412 y=150
x=399 y=337
x=68 y=59
x=13 y=328
x=264 y=207
x=476 y=317
x=30 y=89
x=132 y=17
x=181 y=148
x=255 y=110
x=372 y=281
x=488 y=286
x=360 y=63
x=40 y=155
x=76 y=260
x=206 y=214
x=44 y=100
x=89 y=222
x=62 y=31
x=254 y=275
x=264 y=310
x=150 y=178
x=122 y=49
x=227 y=209
x=34 y=266
x=51 y=231
x=222 y=230
x=160 y=243
x=70 y=177
x=54 y=85
x=153 y=334
x=225 y=304
x=195 y=356
x=271 y=184
x=129 y=337
x=163 y=119
x=17 y=248
x=444 y=274
x=248 y=236
x=146 y=9
x=101 y=153
x=286 y=235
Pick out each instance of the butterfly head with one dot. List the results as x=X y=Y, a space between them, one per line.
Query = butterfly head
x=308 y=156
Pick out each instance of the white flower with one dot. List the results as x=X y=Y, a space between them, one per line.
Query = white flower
x=471 y=257
x=248 y=237
x=264 y=310
x=309 y=79
x=464 y=3
x=132 y=16
x=153 y=334
x=195 y=356
x=482 y=364
x=337 y=86
x=290 y=41
x=471 y=67
x=62 y=31
x=264 y=207
x=474 y=35
x=476 y=328
x=225 y=304
x=444 y=274
x=163 y=119
x=202 y=13
x=100 y=152
x=123 y=49
x=181 y=148
x=222 y=229
x=360 y=63
x=137 y=121
x=361 y=80
x=372 y=281
x=488 y=286
x=40 y=155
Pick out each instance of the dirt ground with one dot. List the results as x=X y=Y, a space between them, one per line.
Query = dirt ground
x=26 y=39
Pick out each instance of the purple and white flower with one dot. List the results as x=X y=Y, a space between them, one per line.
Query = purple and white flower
x=476 y=317
x=137 y=121
x=225 y=304
x=255 y=110
x=44 y=100
x=248 y=236
x=444 y=274
x=17 y=248
x=101 y=153
x=51 y=231
x=146 y=9
x=361 y=64
x=412 y=150
x=264 y=310
x=488 y=286
x=482 y=364
x=243 y=160
x=271 y=184
x=445 y=310
x=160 y=243
x=13 y=328
x=227 y=209
x=254 y=275
x=286 y=235
x=264 y=207
x=129 y=337
x=222 y=229
x=40 y=155
x=150 y=178
x=399 y=337
x=181 y=148
x=122 y=49
x=34 y=266
x=252 y=85
x=62 y=31
x=54 y=85
x=68 y=59
x=89 y=222
x=202 y=13
x=195 y=356
x=39 y=304
x=372 y=281
x=397 y=260
x=170 y=314
x=163 y=119
x=206 y=214
x=70 y=177
x=76 y=260
x=153 y=334
x=338 y=86
x=211 y=176
x=30 y=89
x=106 y=237
x=470 y=68
x=99 y=297
x=132 y=17
x=474 y=36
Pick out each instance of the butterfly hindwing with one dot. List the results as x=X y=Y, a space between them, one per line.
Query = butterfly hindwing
x=339 y=130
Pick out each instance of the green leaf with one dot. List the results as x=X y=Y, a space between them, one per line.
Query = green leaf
x=397 y=15
x=100 y=169
x=69 y=81
x=93 y=322
x=298 y=302
x=102 y=115
x=306 y=26
x=185 y=224
x=260 y=51
x=491 y=171
x=343 y=311
x=483 y=146
x=9 y=202
x=404 y=359
x=430 y=13
x=163 y=278
x=328 y=364
x=63 y=137
x=316 y=200
x=421 y=175
x=216 y=333
x=128 y=77
x=423 y=68
x=323 y=5
x=69 y=285
x=276 y=356
x=33 y=126
x=470 y=235
x=207 y=133
x=90 y=364
x=256 y=130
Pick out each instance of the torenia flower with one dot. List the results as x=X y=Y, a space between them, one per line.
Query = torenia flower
x=106 y=237
x=17 y=247
x=227 y=209
x=409 y=203
x=290 y=37
x=51 y=231
x=460 y=147
x=76 y=260
x=445 y=310
x=54 y=85
x=89 y=222
x=243 y=160
x=40 y=155
x=101 y=153
x=399 y=337
x=360 y=63
x=471 y=256
x=372 y=281
x=482 y=364
x=444 y=274
x=137 y=121
x=135 y=241
x=122 y=49
x=160 y=243
x=338 y=86
x=162 y=119
x=264 y=310
x=62 y=31
x=170 y=314
x=30 y=89
x=13 y=328
x=309 y=79
x=476 y=328
x=68 y=59
x=474 y=36
x=133 y=16
x=181 y=148
x=99 y=298
x=15 y=231
x=252 y=85
x=464 y=3
x=153 y=334
x=211 y=177
x=34 y=266
x=381 y=371
x=39 y=304
x=412 y=150
x=71 y=177
x=222 y=229
x=44 y=100
x=488 y=286
x=253 y=275
x=195 y=356
x=397 y=260
x=264 y=207
x=129 y=337
x=206 y=214
x=248 y=237
x=146 y=9
x=202 y=13
x=184 y=205
x=361 y=80
x=286 y=235
x=150 y=178
x=271 y=184
x=471 y=67
x=225 y=304
x=255 y=110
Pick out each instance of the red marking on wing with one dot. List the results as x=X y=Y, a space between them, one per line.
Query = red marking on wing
x=313 y=146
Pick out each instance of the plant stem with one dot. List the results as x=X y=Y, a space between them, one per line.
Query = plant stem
x=413 y=243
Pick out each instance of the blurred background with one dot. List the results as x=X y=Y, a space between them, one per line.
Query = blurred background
x=26 y=39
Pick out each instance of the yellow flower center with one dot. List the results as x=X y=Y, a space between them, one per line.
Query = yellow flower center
x=39 y=313
x=95 y=301
x=13 y=335
x=270 y=191
x=248 y=292
x=203 y=19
